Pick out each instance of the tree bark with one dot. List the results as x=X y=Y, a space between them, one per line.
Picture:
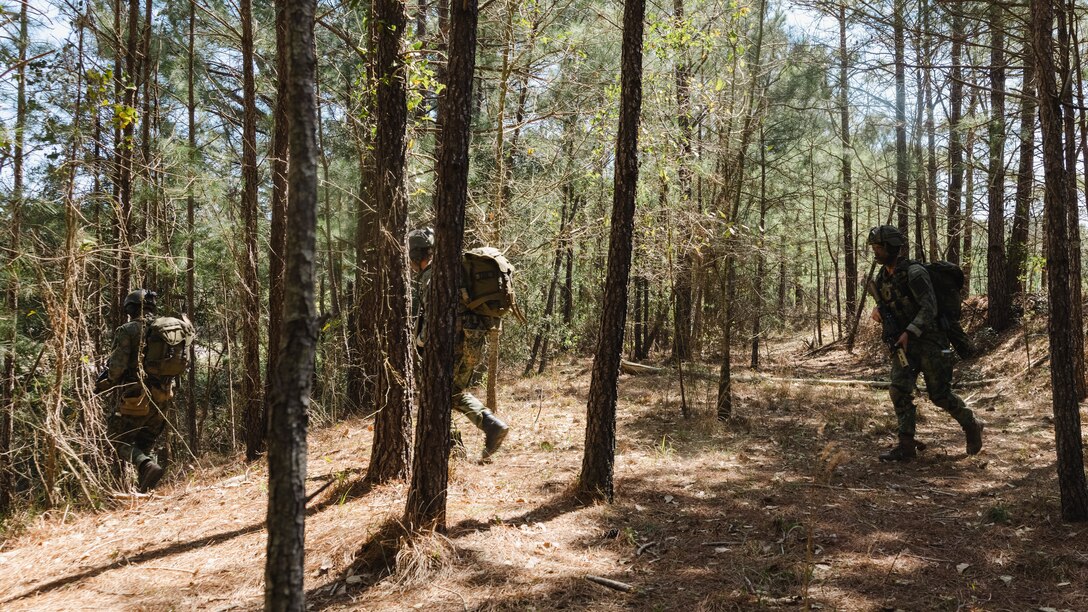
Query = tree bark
x=999 y=312
x=1025 y=178
x=902 y=161
x=190 y=224
x=7 y=392
x=277 y=238
x=851 y=263
x=426 y=505
x=286 y=519
x=1060 y=194
x=256 y=418
x=596 y=479
x=392 y=448
x=955 y=139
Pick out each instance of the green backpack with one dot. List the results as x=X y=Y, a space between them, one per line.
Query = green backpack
x=167 y=343
x=487 y=283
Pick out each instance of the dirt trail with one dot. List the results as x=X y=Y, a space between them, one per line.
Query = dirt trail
x=783 y=506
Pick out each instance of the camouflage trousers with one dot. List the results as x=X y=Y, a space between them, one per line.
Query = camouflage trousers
x=926 y=356
x=467 y=355
x=133 y=435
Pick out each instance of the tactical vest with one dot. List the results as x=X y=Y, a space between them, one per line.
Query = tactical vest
x=895 y=294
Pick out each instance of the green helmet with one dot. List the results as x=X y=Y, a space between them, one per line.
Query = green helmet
x=420 y=244
x=140 y=301
x=887 y=235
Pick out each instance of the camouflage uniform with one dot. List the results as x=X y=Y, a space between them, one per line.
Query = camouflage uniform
x=908 y=294
x=468 y=350
x=139 y=412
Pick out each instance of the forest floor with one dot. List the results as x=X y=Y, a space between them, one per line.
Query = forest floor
x=784 y=506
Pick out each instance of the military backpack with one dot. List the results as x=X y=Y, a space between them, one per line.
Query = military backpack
x=947 y=279
x=487 y=283
x=167 y=342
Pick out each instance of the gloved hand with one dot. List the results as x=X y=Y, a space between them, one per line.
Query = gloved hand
x=103 y=383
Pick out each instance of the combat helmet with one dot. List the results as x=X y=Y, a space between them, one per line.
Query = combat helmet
x=420 y=244
x=887 y=235
x=140 y=301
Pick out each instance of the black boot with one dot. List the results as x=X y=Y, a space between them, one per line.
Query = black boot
x=905 y=451
x=149 y=475
x=494 y=433
x=974 y=437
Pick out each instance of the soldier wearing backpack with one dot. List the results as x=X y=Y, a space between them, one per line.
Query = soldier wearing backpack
x=468 y=352
x=149 y=352
x=905 y=292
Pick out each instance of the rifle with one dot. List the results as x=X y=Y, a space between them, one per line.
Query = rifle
x=889 y=325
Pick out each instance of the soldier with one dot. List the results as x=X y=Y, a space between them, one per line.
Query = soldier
x=905 y=291
x=143 y=397
x=468 y=349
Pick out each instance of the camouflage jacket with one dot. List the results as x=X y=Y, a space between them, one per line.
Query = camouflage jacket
x=908 y=292
x=128 y=341
x=466 y=319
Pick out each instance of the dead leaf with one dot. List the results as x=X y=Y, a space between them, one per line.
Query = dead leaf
x=962 y=566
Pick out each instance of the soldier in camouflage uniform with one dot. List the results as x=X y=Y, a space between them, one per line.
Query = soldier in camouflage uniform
x=904 y=288
x=138 y=417
x=468 y=351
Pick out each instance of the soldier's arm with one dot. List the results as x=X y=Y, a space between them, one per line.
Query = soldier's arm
x=122 y=348
x=922 y=289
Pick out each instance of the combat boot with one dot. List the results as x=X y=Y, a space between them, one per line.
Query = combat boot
x=494 y=433
x=906 y=450
x=973 y=433
x=149 y=475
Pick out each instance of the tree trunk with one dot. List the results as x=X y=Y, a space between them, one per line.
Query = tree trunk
x=286 y=518
x=955 y=143
x=1025 y=178
x=847 y=168
x=392 y=448
x=426 y=505
x=682 y=305
x=277 y=238
x=256 y=419
x=902 y=161
x=595 y=481
x=931 y=135
x=7 y=392
x=999 y=312
x=761 y=256
x=190 y=224
x=1060 y=195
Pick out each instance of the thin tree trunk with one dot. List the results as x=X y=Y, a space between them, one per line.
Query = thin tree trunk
x=847 y=167
x=931 y=134
x=761 y=256
x=256 y=418
x=955 y=143
x=1025 y=178
x=286 y=517
x=596 y=479
x=8 y=398
x=682 y=306
x=426 y=504
x=999 y=311
x=902 y=162
x=392 y=448
x=190 y=223
x=277 y=236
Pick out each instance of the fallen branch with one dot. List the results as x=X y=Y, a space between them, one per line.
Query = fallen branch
x=612 y=584
x=643 y=548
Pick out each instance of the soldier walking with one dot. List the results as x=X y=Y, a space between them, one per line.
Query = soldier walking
x=905 y=292
x=468 y=351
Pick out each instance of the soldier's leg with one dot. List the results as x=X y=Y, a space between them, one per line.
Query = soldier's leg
x=123 y=433
x=472 y=348
x=902 y=394
x=937 y=371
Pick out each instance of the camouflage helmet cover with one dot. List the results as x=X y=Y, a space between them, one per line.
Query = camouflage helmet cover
x=887 y=235
x=420 y=242
x=140 y=300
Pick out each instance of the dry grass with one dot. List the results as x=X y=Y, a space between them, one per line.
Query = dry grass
x=784 y=505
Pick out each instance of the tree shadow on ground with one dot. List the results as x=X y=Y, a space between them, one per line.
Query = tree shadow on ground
x=347 y=489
